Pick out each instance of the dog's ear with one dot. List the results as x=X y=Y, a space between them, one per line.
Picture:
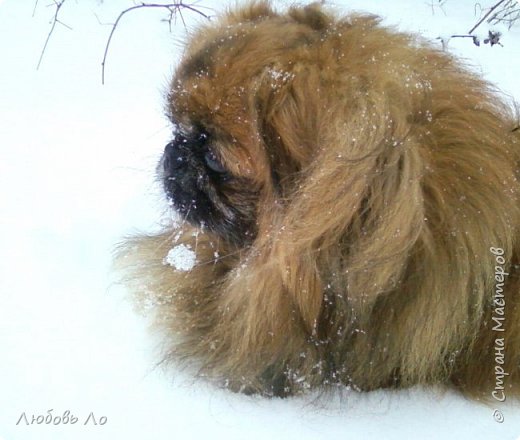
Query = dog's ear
x=351 y=183
x=252 y=11
x=311 y=15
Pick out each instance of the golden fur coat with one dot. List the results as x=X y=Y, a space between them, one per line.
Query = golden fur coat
x=387 y=214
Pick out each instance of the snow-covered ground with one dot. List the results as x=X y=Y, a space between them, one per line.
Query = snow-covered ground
x=77 y=166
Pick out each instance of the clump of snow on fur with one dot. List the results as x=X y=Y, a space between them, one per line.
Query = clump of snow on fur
x=279 y=77
x=279 y=74
x=181 y=257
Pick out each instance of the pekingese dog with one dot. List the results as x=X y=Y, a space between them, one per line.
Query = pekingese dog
x=350 y=210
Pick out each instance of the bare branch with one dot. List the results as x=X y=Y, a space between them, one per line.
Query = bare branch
x=55 y=20
x=503 y=11
x=182 y=18
x=486 y=15
x=509 y=14
x=34 y=9
x=440 y=5
x=173 y=9
x=492 y=38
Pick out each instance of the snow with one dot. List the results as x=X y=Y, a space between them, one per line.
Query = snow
x=181 y=257
x=77 y=174
x=279 y=77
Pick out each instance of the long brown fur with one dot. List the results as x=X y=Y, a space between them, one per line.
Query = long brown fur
x=396 y=172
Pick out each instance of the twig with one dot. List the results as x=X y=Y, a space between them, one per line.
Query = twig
x=462 y=36
x=182 y=18
x=508 y=8
x=440 y=4
x=34 y=9
x=486 y=15
x=173 y=8
x=509 y=14
x=55 y=20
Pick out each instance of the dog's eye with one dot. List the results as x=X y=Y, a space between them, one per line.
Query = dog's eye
x=213 y=163
x=194 y=136
x=202 y=137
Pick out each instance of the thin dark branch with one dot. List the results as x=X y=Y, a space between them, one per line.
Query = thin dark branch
x=486 y=15
x=513 y=12
x=504 y=11
x=170 y=19
x=479 y=6
x=64 y=24
x=182 y=18
x=34 y=9
x=196 y=4
x=173 y=8
x=100 y=22
x=55 y=20
x=440 y=5
x=509 y=14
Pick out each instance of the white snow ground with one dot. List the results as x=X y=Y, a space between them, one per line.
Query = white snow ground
x=76 y=173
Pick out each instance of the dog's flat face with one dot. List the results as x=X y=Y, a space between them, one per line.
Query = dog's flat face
x=203 y=174
x=203 y=189
x=226 y=157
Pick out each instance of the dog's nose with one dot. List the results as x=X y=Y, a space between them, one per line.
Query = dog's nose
x=167 y=156
x=169 y=148
x=173 y=157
